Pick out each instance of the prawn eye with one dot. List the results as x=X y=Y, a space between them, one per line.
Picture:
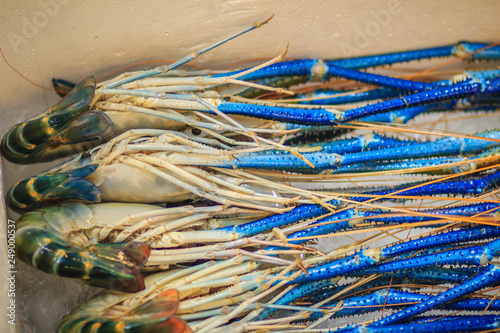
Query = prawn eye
x=196 y=131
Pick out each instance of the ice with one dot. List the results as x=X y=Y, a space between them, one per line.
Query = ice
x=43 y=299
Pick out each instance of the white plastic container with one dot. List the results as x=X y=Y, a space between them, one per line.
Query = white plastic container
x=72 y=39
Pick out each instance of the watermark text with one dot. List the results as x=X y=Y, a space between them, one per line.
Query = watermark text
x=365 y=34
x=11 y=272
x=31 y=25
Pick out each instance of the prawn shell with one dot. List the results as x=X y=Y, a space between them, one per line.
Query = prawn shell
x=124 y=121
x=125 y=183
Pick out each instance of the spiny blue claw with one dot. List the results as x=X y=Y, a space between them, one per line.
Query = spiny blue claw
x=441 y=147
x=321 y=116
x=475 y=255
x=340 y=267
x=379 y=80
x=272 y=161
x=345 y=219
x=304 y=67
x=461 y=210
x=395 y=298
x=325 y=159
x=471 y=47
x=312 y=134
x=432 y=275
x=447 y=93
x=268 y=223
x=350 y=217
x=399 y=116
x=462 y=324
x=299 y=291
x=369 y=141
x=472 y=255
x=394 y=57
x=482 y=280
x=449 y=237
x=464 y=186
x=316 y=116
x=433 y=165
